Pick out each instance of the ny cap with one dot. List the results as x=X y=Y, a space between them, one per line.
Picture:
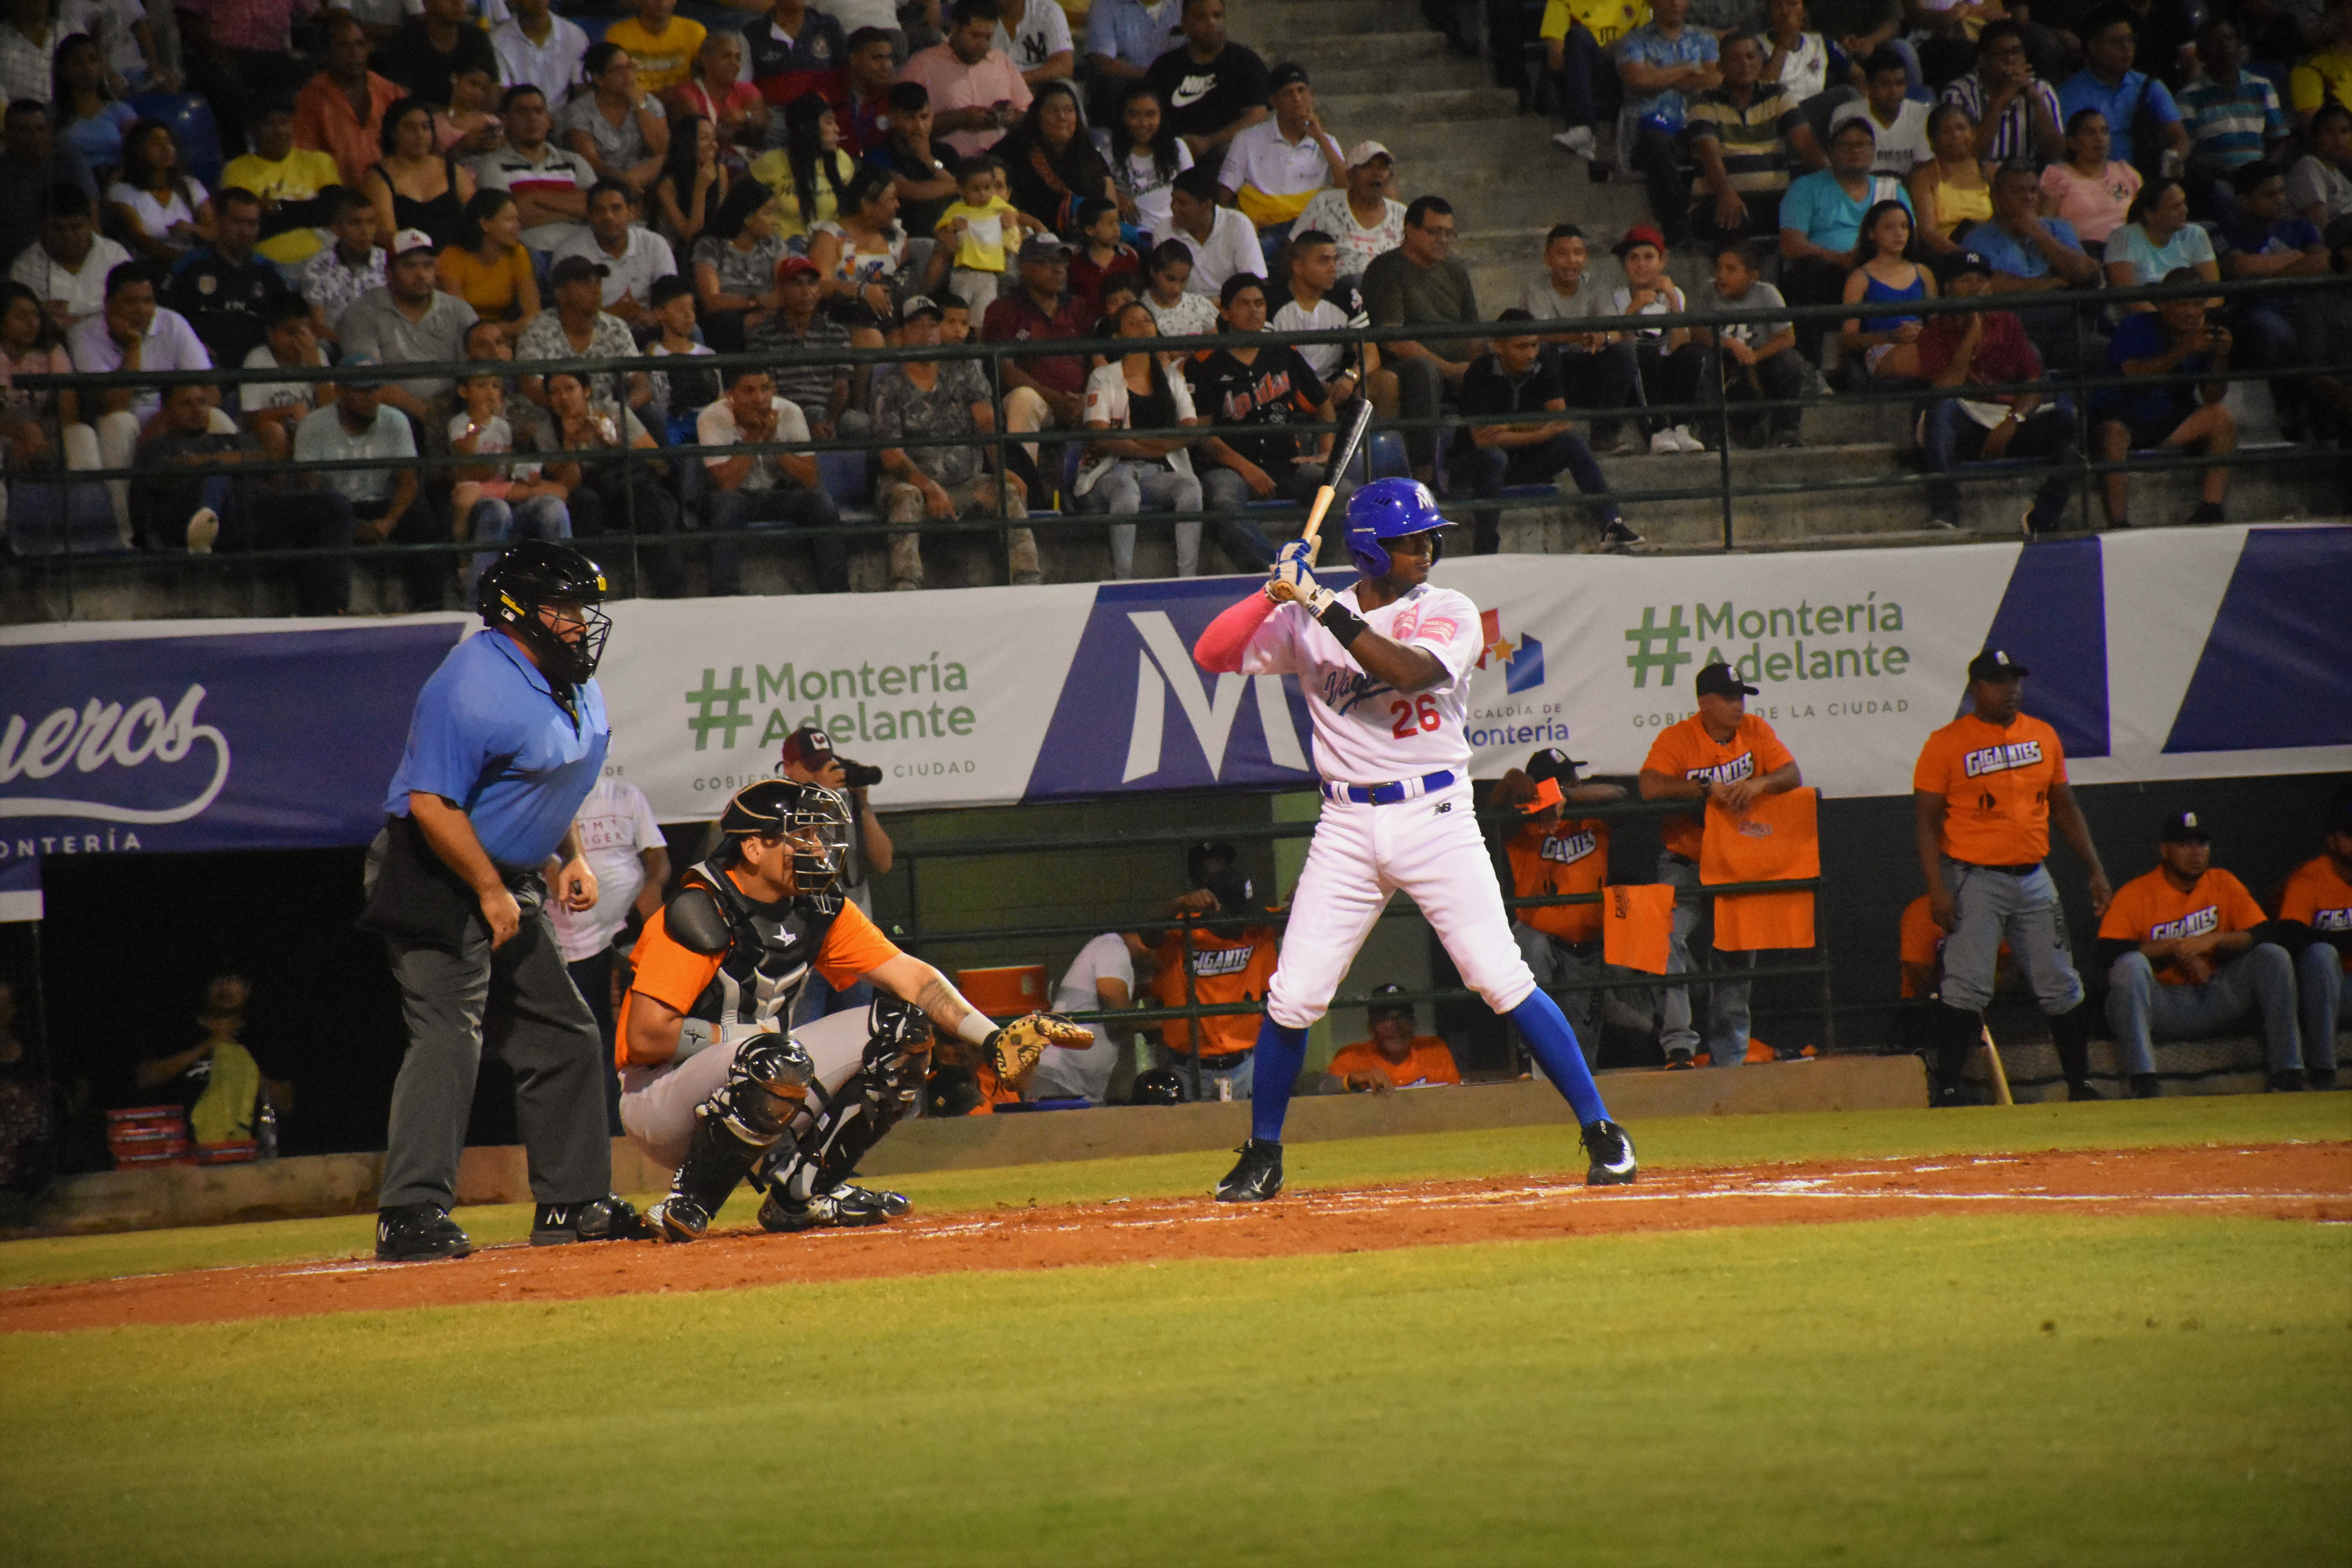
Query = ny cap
x=1961 y=261
x=1363 y=152
x=809 y=747
x=409 y=239
x=1551 y=763
x=2183 y=827
x=1994 y=664
x=916 y=305
x=1717 y=680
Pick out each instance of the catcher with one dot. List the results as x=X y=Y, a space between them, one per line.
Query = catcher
x=711 y=1084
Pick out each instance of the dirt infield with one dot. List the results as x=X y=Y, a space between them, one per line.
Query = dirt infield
x=2309 y=1182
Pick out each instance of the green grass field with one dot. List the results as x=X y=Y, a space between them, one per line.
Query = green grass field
x=1999 y=1390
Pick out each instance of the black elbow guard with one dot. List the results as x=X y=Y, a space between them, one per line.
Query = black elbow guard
x=696 y=922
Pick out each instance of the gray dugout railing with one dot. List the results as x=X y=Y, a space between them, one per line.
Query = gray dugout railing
x=1813 y=965
x=1721 y=485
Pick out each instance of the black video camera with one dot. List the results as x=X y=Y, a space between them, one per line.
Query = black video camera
x=858 y=776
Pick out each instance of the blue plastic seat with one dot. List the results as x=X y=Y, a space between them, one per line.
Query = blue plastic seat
x=845 y=477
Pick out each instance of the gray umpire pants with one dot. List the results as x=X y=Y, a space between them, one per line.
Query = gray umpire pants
x=1726 y=1001
x=2142 y=1010
x=518 y=1001
x=1997 y=906
x=1555 y=964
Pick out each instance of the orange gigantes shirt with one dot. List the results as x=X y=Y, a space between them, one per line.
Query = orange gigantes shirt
x=1431 y=1062
x=1227 y=967
x=1570 y=857
x=1685 y=750
x=675 y=975
x=2150 y=908
x=2319 y=896
x=1996 y=786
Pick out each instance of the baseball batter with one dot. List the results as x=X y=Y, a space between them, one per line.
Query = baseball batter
x=711 y=1083
x=1386 y=665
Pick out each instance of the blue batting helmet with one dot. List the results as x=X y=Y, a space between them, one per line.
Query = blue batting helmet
x=1390 y=508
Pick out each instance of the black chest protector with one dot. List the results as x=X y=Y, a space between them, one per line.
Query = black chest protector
x=767 y=949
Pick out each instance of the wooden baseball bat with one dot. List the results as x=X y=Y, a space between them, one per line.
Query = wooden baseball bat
x=2000 y=1095
x=1341 y=455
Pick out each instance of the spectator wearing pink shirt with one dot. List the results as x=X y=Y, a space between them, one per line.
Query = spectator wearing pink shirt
x=977 y=92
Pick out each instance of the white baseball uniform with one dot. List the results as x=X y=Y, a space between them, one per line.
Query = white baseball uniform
x=1427 y=842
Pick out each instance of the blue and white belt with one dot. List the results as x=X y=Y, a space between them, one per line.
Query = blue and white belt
x=1388 y=794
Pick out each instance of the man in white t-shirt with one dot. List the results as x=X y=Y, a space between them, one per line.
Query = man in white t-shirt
x=536 y=46
x=1100 y=978
x=1364 y=217
x=632 y=257
x=624 y=846
x=1899 y=123
x=1221 y=240
x=1038 y=43
x=1385 y=667
x=66 y=268
x=1319 y=302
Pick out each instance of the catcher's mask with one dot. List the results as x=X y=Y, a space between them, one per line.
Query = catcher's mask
x=536 y=573
x=810 y=818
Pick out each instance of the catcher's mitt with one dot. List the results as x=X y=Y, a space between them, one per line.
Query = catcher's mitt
x=1014 y=1048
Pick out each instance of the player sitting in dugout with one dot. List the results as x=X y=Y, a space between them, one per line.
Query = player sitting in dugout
x=1394 y=1058
x=1202 y=964
x=2189 y=955
x=1558 y=853
x=712 y=1086
x=1920 y=942
x=2315 y=912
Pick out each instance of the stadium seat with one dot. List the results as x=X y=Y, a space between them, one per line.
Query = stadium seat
x=49 y=519
x=845 y=478
x=191 y=120
x=1383 y=458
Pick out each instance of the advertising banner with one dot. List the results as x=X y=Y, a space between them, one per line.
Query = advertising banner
x=2173 y=654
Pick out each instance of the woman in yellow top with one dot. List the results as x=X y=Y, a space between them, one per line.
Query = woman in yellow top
x=492 y=270
x=1951 y=189
x=809 y=173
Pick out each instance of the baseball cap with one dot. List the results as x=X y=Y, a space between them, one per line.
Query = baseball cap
x=916 y=305
x=1376 y=1008
x=1236 y=893
x=409 y=239
x=1551 y=763
x=2183 y=827
x=1961 y=261
x=1202 y=857
x=1044 y=247
x=808 y=747
x=1641 y=234
x=1717 y=680
x=573 y=268
x=793 y=266
x=1287 y=74
x=1363 y=152
x=1994 y=664
x=361 y=361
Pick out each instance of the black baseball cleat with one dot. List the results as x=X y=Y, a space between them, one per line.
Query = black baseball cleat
x=2289 y=1081
x=677 y=1218
x=608 y=1218
x=1612 y=1155
x=415 y=1233
x=2080 y=1091
x=845 y=1208
x=1257 y=1177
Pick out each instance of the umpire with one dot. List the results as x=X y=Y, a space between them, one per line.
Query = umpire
x=508 y=738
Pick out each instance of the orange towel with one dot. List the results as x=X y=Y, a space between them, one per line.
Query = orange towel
x=1636 y=922
x=1777 y=839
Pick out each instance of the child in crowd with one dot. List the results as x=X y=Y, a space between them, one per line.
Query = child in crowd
x=1754 y=360
x=1175 y=310
x=1884 y=272
x=1667 y=359
x=684 y=393
x=489 y=501
x=1102 y=256
x=979 y=229
x=351 y=267
x=955 y=318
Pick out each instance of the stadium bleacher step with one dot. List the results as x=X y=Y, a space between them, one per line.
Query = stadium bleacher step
x=1275 y=28
x=1418 y=104
x=1405 y=51
x=1373 y=79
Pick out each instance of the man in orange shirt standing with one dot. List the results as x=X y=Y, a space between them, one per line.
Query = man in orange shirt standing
x=2187 y=958
x=1554 y=854
x=1725 y=756
x=2319 y=898
x=1394 y=1058
x=1986 y=788
x=1199 y=966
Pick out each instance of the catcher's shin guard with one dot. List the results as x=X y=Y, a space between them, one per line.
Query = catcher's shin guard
x=716 y=1159
x=853 y=1117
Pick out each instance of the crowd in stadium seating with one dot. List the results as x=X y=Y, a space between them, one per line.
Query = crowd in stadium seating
x=808 y=178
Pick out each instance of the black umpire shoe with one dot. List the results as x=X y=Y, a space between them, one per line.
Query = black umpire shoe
x=415 y=1233
x=845 y=1208
x=1257 y=1177
x=1612 y=1155
x=608 y=1218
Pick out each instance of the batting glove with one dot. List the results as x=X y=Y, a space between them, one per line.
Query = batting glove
x=1293 y=572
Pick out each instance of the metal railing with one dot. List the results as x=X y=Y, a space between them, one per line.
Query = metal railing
x=1711 y=413
x=913 y=935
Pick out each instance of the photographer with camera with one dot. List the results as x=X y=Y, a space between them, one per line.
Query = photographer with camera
x=809 y=759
